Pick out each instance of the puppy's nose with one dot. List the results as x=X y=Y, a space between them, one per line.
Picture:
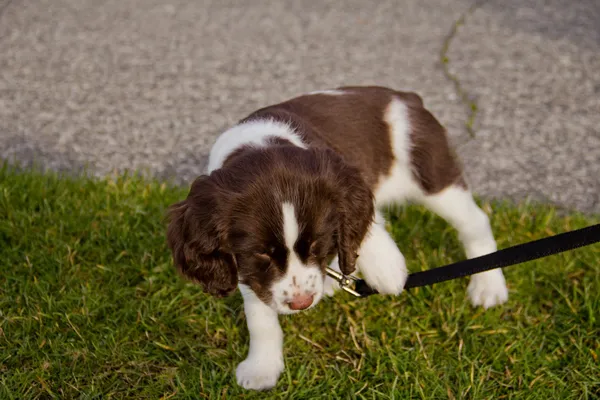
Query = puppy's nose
x=301 y=301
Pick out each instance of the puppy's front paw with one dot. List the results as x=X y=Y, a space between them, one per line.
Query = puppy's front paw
x=488 y=289
x=386 y=273
x=259 y=374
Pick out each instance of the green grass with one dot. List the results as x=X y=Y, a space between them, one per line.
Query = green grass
x=90 y=307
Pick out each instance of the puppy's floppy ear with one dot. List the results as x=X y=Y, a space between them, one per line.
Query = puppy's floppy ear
x=356 y=212
x=195 y=235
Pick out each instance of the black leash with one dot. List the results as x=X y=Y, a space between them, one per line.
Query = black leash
x=502 y=258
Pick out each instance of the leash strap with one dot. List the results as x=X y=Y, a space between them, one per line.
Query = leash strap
x=502 y=258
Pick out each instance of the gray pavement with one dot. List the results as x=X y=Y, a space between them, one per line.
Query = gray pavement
x=147 y=85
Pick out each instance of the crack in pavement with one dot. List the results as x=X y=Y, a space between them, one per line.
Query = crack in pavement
x=467 y=100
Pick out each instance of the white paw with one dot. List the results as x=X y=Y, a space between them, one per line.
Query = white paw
x=385 y=273
x=259 y=374
x=488 y=289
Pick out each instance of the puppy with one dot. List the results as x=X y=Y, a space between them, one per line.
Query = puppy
x=296 y=186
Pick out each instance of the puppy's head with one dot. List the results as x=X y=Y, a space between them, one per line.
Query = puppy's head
x=272 y=220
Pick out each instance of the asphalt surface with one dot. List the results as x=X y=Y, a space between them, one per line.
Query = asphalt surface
x=147 y=85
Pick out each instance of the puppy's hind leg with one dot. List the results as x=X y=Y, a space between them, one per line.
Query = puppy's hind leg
x=456 y=205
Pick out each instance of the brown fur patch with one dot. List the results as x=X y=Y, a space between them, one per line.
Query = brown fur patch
x=435 y=165
x=351 y=124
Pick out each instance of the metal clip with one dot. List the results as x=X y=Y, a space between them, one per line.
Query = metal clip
x=345 y=281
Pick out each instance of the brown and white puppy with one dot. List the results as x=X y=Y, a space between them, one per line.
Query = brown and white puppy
x=297 y=186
